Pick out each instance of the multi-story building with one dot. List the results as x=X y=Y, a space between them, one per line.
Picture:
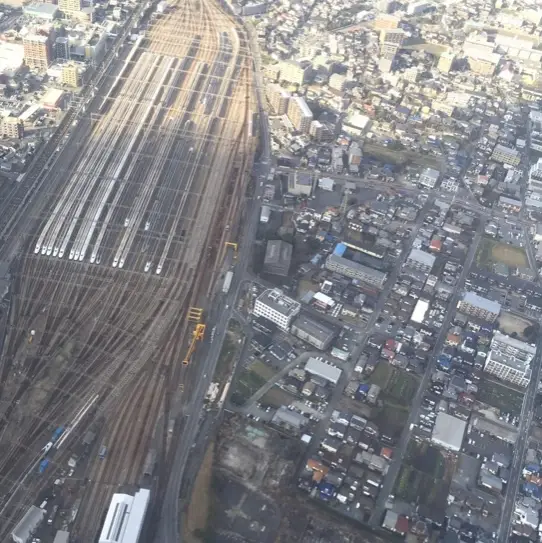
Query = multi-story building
x=384 y=21
x=337 y=82
x=275 y=306
x=393 y=35
x=300 y=183
x=510 y=359
x=506 y=155
x=37 y=51
x=535 y=177
x=420 y=260
x=295 y=72
x=429 y=178
x=313 y=331
x=69 y=6
x=355 y=270
x=12 y=127
x=477 y=306
x=278 y=257
x=62 y=48
x=320 y=131
x=446 y=62
x=71 y=75
x=278 y=98
x=300 y=114
x=484 y=65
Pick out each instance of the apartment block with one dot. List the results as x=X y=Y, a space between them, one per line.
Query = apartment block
x=278 y=98
x=300 y=114
x=295 y=72
x=506 y=155
x=37 y=51
x=355 y=270
x=477 y=306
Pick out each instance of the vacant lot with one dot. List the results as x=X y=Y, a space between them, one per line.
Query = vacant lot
x=390 y=419
x=492 y=252
x=277 y=397
x=398 y=386
x=401 y=387
x=263 y=370
x=246 y=385
x=512 y=324
x=425 y=477
x=501 y=396
x=381 y=375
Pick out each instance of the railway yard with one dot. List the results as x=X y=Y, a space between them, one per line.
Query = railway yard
x=141 y=202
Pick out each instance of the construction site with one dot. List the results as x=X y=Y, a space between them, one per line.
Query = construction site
x=111 y=293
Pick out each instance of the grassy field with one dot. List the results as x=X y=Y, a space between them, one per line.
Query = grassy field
x=398 y=386
x=246 y=385
x=500 y=396
x=425 y=476
x=262 y=369
x=401 y=387
x=492 y=252
x=381 y=374
x=400 y=157
x=390 y=419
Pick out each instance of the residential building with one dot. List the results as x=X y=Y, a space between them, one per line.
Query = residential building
x=300 y=183
x=510 y=359
x=446 y=62
x=276 y=307
x=420 y=260
x=295 y=72
x=278 y=257
x=337 y=82
x=69 y=6
x=535 y=177
x=313 y=331
x=484 y=65
x=394 y=36
x=418 y=7
x=71 y=75
x=477 y=306
x=37 y=51
x=506 y=155
x=354 y=270
x=385 y=21
x=429 y=178
x=12 y=127
x=62 y=48
x=320 y=131
x=300 y=114
x=278 y=98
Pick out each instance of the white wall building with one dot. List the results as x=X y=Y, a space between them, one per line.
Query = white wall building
x=276 y=307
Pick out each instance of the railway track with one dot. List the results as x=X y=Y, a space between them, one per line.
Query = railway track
x=173 y=156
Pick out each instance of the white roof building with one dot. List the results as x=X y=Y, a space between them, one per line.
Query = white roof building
x=28 y=524
x=324 y=370
x=448 y=432
x=125 y=517
x=419 y=311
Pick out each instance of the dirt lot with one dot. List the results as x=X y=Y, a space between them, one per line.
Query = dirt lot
x=277 y=397
x=509 y=324
x=196 y=518
x=492 y=252
x=499 y=395
x=425 y=477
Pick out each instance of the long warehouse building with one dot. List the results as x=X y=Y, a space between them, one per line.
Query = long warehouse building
x=125 y=517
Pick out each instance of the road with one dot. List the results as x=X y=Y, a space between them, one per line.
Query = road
x=520 y=448
x=400 y=450
x=348 y=367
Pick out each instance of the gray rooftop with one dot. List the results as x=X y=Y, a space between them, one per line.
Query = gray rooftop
x=483 y=303
x=356 y=266
x=314 y=327
x=423 y=257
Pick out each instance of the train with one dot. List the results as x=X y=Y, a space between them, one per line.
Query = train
x=43 y=465
x=57 y=433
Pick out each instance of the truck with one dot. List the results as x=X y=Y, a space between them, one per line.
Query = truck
x=227 y=282
x=43 y=465
x=57 y=433
x=265 y=214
